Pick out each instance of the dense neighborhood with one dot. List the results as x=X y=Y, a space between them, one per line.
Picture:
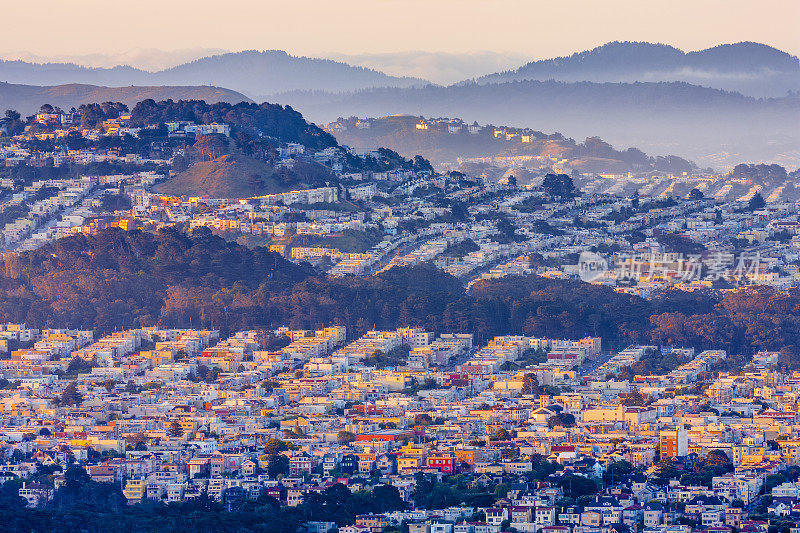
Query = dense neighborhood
x=539 y=432
x=427 y=430
x=389 y=213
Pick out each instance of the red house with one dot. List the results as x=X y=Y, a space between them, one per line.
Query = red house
x=442 y=463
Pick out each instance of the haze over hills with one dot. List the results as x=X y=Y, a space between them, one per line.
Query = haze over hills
x=439 y=67
x=254 y=73
x=150 y=59
x=28 y=98
x=711 y=127
x=652 y=96
x=451 y=142
x=750 y=68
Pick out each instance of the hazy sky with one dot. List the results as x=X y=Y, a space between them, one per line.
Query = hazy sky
x=322 y=27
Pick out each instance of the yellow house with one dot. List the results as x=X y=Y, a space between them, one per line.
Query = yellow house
x=134 y=490
x=410 y=462
x=294 y=422
x=464 y=456
x=416 y=450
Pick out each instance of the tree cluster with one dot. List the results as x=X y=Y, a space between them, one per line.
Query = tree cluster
x=274 y=121
x=118 y=279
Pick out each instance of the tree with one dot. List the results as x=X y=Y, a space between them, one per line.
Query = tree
x=678 y=243
x=78 y=365
x=423 y=419
x=665 y=471
x=561 y=420
x=459 y=210
x=13 y=121
x=617 y=471
x=756 y=202
x=633 y=398
x=345 y=437
x=179 y=163
x=275 y=446
x=696 y=194
x=530 y=385
x=277 y=465
x=420 y=164
x=575 y=486
x=387 y=498
x=208 y=147
x=789 y=358
x=70 y=396
x=559 y=185
x=175 y=429
x=501 y=434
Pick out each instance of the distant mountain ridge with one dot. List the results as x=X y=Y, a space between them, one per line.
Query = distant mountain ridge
x=28 y=98
x=709 y=126
x=750 y=68
x=254 y=73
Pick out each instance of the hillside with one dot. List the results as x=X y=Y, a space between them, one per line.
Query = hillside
x=228 y=176
x=260 y=123
x=708 y=126
x=261 y=74
x=750 y=68
x=244 y=164
x=255 y=73
x=235 y=175
x=450 y=141
x=28 y=98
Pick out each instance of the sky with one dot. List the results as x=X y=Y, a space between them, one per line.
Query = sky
x=537 y=29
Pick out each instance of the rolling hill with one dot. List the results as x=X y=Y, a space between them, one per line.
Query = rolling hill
x=709 y=126
x=228 y=176
x=255 y=73
x=749 y=68
x=28 y=98
x=451 y=141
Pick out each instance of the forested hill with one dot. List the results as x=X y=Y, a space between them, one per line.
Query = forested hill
x=282 y=124
x=750 y=68
x=118 y=279
x=124 y=279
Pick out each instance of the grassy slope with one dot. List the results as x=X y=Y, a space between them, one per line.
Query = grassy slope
x=228 y=176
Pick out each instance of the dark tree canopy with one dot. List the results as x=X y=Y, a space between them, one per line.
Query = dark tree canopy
x=559 y=185
x=283 y=124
